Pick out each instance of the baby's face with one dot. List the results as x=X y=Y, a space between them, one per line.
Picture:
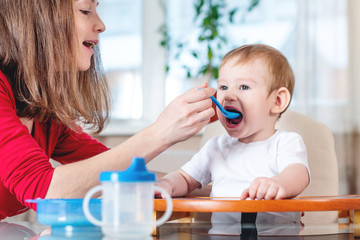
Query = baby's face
x=244 y=88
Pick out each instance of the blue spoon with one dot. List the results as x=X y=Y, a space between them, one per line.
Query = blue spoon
x=227 y=114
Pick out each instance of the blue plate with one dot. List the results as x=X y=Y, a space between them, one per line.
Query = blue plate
x=66 y=213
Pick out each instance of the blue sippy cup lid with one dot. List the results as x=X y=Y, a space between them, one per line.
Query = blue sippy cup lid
x=136 y=172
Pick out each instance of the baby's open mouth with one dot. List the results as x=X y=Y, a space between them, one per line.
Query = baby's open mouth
x=235 y=121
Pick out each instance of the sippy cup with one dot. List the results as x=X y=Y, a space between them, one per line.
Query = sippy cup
x=127 y=202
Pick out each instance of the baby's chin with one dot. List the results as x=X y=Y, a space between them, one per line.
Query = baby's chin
x=231 y=132
x=233 y=135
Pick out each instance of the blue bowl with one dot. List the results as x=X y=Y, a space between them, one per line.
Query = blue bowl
x=61 y=213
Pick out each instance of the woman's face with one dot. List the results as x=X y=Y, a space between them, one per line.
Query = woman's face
x=88 y=26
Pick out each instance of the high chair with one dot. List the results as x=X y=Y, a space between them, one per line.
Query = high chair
x=322 y=159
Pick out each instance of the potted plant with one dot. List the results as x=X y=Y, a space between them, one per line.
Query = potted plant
x=211 y=16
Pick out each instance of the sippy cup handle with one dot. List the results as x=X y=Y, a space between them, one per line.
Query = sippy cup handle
x=85 y=205
x=169 y=206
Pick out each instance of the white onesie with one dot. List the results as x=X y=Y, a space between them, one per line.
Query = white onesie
x=231 y=165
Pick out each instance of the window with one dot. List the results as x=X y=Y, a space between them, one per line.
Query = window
x=133 y=61
x=121 y=50
x=312 y=34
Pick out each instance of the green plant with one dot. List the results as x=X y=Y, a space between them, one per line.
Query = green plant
x=211 y=16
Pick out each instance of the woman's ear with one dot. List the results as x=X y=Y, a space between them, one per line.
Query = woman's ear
x=282 y=100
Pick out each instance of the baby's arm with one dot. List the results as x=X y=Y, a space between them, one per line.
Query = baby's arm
x=287 y=184
x=178 y=183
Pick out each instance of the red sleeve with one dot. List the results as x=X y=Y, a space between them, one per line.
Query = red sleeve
x=25 y=170
x=73 y=146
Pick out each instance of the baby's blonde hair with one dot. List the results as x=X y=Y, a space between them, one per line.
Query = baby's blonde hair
x=279 y=71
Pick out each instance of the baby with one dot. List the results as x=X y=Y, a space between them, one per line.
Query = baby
x=254 y=160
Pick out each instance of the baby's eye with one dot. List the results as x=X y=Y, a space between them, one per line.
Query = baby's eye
x=244 y=87
x=223 y=87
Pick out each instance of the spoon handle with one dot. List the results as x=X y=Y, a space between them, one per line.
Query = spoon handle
x=217 y=104
x=223 y=111
x=227 y=114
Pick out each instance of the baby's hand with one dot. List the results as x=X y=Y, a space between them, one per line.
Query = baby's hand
x=264 y=188
x=164 y=185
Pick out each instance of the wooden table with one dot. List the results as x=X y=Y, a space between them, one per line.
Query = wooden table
x=200 y=231
x=168 y=231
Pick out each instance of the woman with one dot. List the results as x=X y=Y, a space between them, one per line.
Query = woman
x=50 y=79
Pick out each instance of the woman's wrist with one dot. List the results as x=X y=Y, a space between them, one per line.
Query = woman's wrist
x=156 y=140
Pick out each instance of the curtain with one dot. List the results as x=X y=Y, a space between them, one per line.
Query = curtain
x=327 y=78
x=321 y=64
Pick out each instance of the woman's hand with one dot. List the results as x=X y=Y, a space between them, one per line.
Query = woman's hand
x=186 y=115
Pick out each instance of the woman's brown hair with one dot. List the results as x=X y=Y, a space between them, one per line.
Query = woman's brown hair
x=38 y=55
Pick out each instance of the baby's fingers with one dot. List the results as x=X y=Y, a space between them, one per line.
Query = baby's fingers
x=245 y=194
x=272 y=192
x=157 y=194
x=262 y=190
x=281 y=194
x=162 y=184
x=253 y=189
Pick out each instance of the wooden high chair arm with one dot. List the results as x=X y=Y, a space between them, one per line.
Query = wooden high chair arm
x=348 y=207
x=298 y=204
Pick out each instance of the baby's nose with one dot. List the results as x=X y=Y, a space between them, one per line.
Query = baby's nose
x=231 y=96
